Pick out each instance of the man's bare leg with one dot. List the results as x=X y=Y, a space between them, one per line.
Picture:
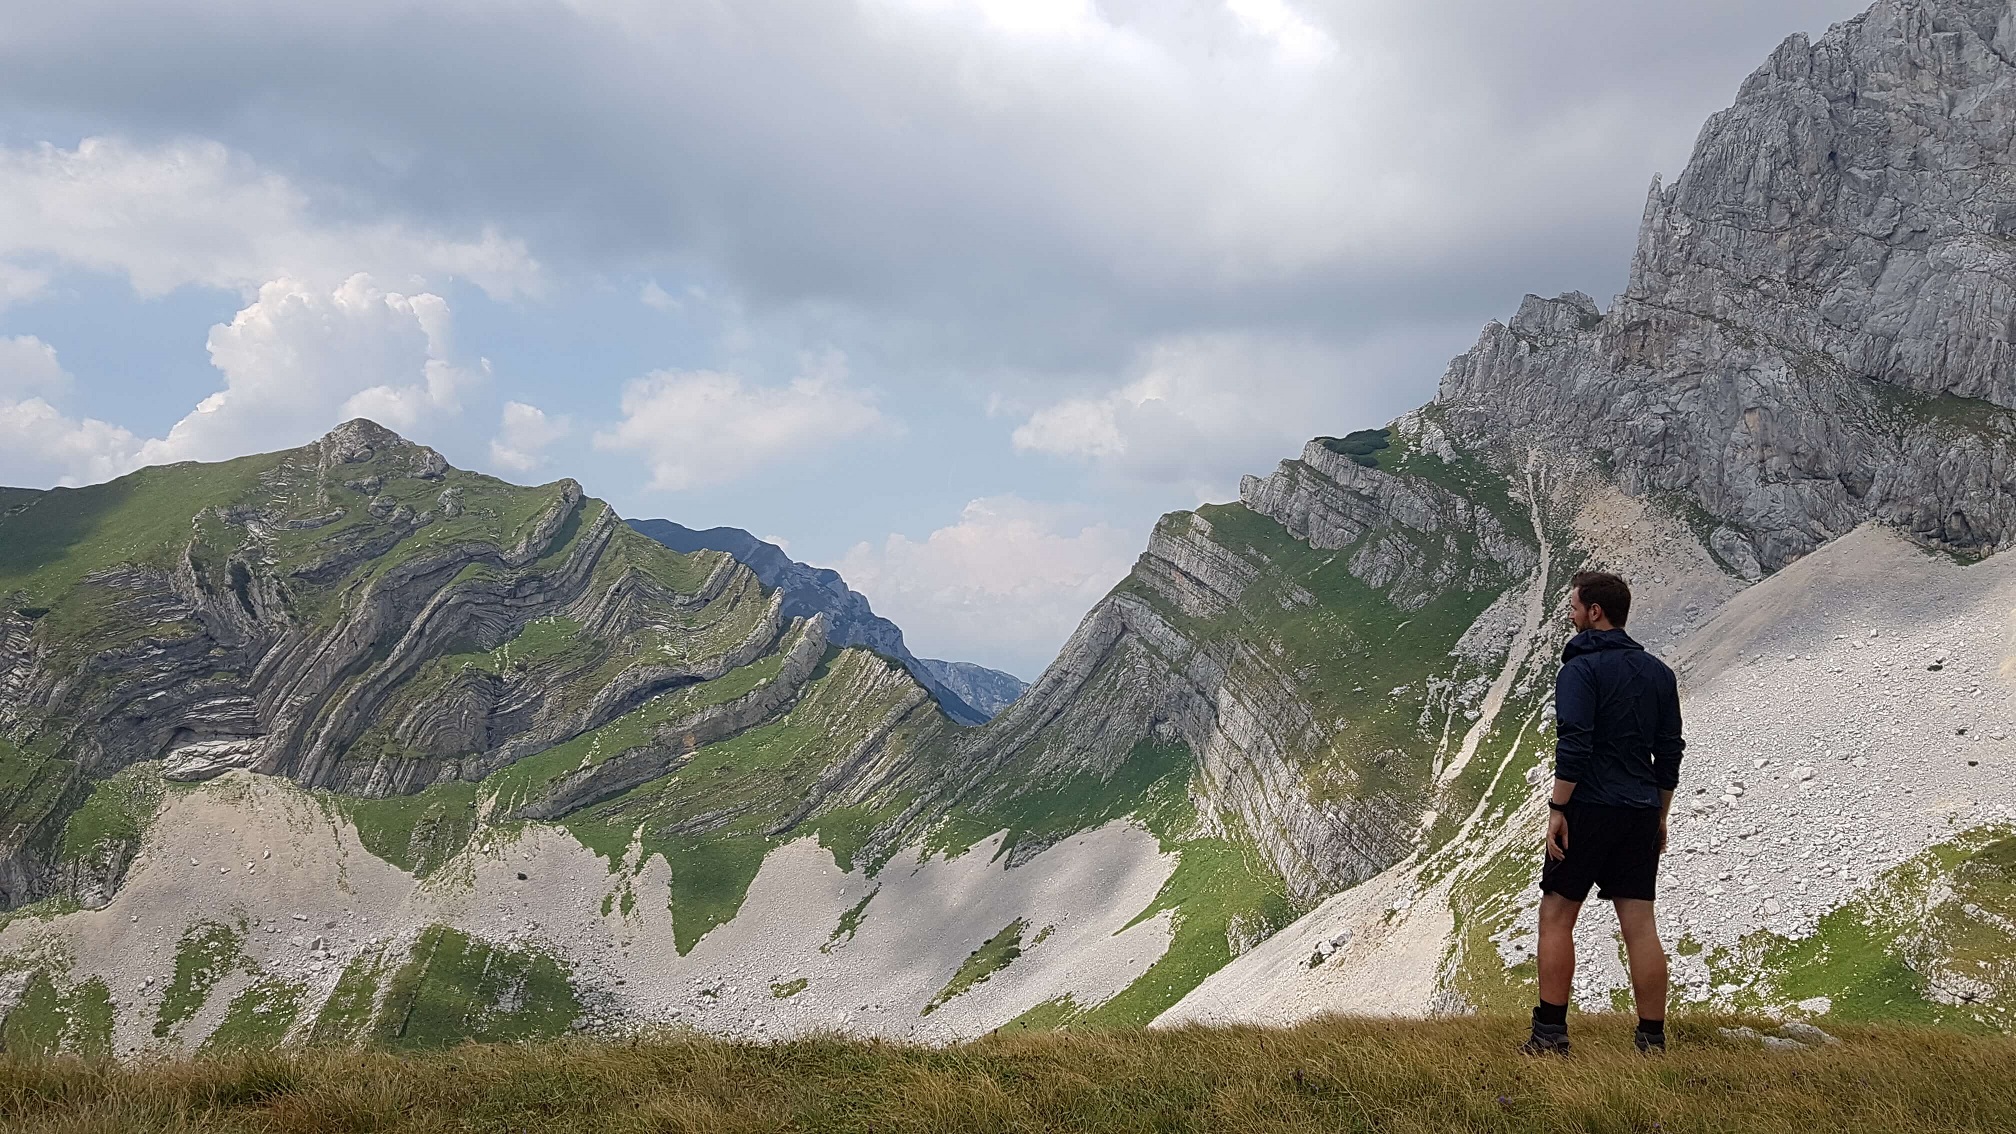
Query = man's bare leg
x=1647 y=957
x=1557 y=975
x=1557 y=947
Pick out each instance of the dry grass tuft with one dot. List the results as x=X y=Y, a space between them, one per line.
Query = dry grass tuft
x=1334 y=1075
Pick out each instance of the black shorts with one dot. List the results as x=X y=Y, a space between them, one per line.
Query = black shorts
x=1615 y=847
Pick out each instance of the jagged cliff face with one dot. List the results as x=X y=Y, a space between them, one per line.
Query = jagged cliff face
x=1267 y=637
x=1818 y=326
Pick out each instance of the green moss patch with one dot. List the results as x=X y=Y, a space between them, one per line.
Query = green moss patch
x=454 y=988
x=993 y=955
x=1361 y=446
x=115 y=814
x=1940 y=918
x=53 y=1018
x=258 y=1018
x=1048 y=811
x=35 y=789
x=416 y=833
x=207 y=951
x=850 y=923
x=345 y=1018
x=64 y=534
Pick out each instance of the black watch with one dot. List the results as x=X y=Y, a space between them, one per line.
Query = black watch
x=1556 y=806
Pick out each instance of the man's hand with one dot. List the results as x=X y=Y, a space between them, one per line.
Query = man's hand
x=1557 y=835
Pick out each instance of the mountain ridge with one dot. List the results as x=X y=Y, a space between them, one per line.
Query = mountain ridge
x=809 y=590
x=988 y=690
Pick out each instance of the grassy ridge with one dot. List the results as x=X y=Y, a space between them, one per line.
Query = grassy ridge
x=1341 y=1075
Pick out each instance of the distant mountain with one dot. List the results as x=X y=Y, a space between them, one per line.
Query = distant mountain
x=812 y=590
x=988 y=690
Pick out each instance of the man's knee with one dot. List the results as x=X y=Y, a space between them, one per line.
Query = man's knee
x=1637 y=918
x=1558 y=912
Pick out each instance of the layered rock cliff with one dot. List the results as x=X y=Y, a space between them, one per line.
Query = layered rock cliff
x=358 y=616
x=1817 y=330
x=809 y=592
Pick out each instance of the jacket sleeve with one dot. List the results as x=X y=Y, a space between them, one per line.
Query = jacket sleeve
x=1574 y=723
x=1667 y=743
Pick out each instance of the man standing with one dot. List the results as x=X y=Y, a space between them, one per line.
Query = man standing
x=1616 y=764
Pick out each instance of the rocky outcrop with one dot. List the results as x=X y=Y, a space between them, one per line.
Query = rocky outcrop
x=816 y=592
x=1856 y=200
x=1817 y=330
x=1409 y=537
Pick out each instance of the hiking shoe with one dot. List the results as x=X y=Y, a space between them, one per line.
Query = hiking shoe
x=1649 y=1044
x=1547 y=1039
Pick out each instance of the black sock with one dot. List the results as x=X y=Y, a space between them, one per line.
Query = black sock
x=1651 y=1027
x=1556 y=1014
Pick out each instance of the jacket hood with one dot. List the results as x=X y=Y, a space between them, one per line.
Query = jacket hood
x=1597 y=641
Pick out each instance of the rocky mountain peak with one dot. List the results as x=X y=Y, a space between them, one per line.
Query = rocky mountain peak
x=361 y=440
x=1854 y=201
x=1564 y=315
x=1816 y=332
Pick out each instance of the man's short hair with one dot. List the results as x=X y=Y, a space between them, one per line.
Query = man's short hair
x=1601 y=588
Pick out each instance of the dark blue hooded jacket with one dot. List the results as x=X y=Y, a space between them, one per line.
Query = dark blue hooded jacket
x=1616 y=721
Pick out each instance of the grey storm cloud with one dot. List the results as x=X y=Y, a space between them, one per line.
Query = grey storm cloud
x=1162 y=242
x=1020 y=183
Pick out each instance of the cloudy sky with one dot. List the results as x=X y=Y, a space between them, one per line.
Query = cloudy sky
x=954 y=295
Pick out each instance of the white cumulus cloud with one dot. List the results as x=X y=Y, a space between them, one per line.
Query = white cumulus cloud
x=28 y=366
x=198 y=213
x=1004 y=586
x=39 y=443
x=301 y=359
x=295 y=362
x=523 y=435
x=697 y=427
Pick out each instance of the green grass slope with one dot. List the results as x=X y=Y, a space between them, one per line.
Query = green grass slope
x=1338 y=1075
